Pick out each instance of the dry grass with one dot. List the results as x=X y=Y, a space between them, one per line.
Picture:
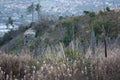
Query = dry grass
x=62 y=64
x=24 y=67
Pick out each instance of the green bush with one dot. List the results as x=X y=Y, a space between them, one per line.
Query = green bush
x=98 y=28
x=71 y=54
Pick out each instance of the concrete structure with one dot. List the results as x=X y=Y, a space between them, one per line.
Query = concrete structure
x=29 y=35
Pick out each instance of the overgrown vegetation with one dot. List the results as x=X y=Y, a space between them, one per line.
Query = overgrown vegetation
x=70 y=48
x=24 y=67
x=67 y=29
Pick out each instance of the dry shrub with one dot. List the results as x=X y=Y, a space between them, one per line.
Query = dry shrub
x=23 y=67
x=61 y=71
x=15 y=67
x=108 y=68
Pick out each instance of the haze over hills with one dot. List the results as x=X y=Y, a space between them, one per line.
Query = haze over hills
x=16 y=8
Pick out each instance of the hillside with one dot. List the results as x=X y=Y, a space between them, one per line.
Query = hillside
x=76 y=47
x=67 y=29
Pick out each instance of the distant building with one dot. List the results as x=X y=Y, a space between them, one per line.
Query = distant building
x=29 y=35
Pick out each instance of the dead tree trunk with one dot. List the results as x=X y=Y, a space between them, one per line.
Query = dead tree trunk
x=104 y=40
x=105 y=43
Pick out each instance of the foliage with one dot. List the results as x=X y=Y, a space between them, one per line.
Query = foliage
x=30 y=8
x=92 y=14
x=7 y=37
x=68 y=31
x=12 y=34
x=61 y=17
x=10 y=21
x=99 y=30
x=70 y=28
x=86 y=12
x=108 y=9
x=71 y=54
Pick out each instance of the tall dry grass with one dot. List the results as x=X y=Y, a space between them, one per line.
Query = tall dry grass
x=25 y=67
x=60 y=63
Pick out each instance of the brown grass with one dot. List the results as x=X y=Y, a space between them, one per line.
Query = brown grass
x=23 y=67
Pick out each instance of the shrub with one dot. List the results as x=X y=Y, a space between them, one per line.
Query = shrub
x=71 y=54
